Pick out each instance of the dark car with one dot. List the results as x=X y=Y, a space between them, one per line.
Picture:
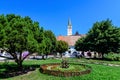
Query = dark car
x=77 y=54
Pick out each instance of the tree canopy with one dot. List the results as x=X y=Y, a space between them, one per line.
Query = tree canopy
x=49 y=34
x=19 y=34
x=62 y=46
x=103 y=37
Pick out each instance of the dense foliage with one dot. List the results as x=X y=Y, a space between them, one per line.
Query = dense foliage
x=49 y=43
x=18 y=34
x=62 y=46
x=102 y=37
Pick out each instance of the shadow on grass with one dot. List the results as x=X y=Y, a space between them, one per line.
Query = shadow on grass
x=11 y=70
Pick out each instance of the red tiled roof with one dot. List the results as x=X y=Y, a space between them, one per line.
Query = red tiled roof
x=71 y=40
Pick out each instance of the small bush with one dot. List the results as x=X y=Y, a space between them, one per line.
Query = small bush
x=112 y=56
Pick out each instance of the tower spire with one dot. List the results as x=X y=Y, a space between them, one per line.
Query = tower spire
x=69 y=22
x=69 y=30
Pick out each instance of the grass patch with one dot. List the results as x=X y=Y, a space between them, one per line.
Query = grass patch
x=72 y=68
x=99 y=72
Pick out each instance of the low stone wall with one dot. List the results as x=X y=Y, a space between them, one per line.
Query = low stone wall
x=43 y=69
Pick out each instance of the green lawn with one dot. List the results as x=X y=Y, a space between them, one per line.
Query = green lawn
x=99 y=72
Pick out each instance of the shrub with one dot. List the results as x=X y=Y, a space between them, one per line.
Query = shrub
x=112 y=56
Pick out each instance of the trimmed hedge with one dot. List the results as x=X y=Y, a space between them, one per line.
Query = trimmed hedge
x=43 y=69
x=112 y=56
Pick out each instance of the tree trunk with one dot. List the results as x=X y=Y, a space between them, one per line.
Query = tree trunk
x=17 y=60
x=95 y=54
x=55 y=55
x=102 y=54
x=20 y=66
x=43 y=57
x=46 y=56
x=61 y=55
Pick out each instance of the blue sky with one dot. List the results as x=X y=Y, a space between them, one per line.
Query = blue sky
x=53 y=14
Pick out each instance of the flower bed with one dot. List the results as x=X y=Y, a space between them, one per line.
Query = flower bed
x=49 y=69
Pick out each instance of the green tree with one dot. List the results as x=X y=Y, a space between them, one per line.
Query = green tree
x=80 y=45
x=103 y=37
x=48 y=43
x=19 y=34
x=49 y=34
x=45 y=47
x=62 y=46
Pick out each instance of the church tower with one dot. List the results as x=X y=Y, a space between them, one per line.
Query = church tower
x=69 y=29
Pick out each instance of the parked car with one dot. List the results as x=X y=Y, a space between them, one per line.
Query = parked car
x=77 y=54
